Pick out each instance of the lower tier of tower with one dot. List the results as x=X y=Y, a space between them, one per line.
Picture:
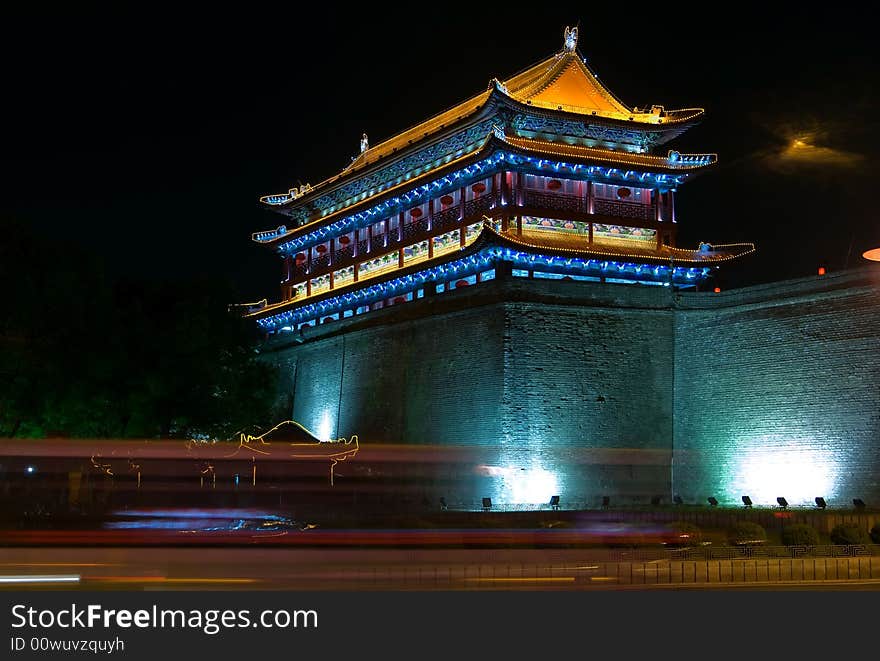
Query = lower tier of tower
x=584 y=390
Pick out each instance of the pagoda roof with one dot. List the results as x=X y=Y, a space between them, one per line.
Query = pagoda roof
x=561 y=82
x=535 y=242
x=674 y=163
x=561 y=85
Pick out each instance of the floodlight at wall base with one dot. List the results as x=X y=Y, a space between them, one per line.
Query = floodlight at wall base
x=713 y=501
x=858 y=503
x=554 y=502
x=783 y=503
x=747 y=502
x=677 y=500
x=606 y=502
x=487 y=503
x=820 y=503
x=443 y=504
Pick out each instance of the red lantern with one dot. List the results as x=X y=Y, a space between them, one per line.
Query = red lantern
x=554 y=184
x=344 y=240
x=326 y=319
x=446 y=200
x=623 y=193
x=321 y=248
x=400 y=299
x=478 y=187
x=416 y=213
x=461 y=283
x=300 y=258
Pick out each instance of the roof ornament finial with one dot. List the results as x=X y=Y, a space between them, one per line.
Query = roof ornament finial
x=365 y=143
x=499 y=132
x=571 y=38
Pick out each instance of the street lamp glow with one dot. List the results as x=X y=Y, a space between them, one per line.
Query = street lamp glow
x=873 y=254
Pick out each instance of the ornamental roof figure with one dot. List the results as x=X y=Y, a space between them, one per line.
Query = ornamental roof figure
x=571 y=39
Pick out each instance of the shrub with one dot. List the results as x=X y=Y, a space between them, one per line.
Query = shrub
x=875 y=533
x=747 y=533
x=800 y=534
x=848 y=534
x=685 y=534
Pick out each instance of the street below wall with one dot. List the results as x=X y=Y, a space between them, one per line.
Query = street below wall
x=389 y=569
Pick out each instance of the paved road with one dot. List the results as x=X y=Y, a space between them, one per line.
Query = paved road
x=370 y=569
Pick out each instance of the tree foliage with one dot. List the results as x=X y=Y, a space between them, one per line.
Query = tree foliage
x=849 y=534
x=800 y=534
x=686 y=533
x=83 y=355
x=746 y=533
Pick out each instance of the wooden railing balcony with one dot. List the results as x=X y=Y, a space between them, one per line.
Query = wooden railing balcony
x=455 y=216
x=623 y=209
x=554 y=201
x=446 y=220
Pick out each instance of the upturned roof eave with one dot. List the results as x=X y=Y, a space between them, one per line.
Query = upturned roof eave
x=489 y=237
x=490 y=145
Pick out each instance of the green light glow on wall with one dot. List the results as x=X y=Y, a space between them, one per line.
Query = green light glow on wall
x=325 y=427
x=768 y=467
x=521 y=483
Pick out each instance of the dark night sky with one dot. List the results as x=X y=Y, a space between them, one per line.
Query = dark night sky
x=148 y=138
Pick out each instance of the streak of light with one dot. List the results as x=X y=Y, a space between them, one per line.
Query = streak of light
x=164 y=579
x=602 y=578
x=37 y=578
x=60 y=564
x=516 y=579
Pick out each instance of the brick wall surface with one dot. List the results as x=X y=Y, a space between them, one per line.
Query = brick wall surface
x=585 y=388
x=778 y=392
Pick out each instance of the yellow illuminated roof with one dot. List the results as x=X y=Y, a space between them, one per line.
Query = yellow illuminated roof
x=565 y=83
x=562 y=82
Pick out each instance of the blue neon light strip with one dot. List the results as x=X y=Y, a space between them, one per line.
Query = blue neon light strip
x=475 y=263
x=451 y=181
